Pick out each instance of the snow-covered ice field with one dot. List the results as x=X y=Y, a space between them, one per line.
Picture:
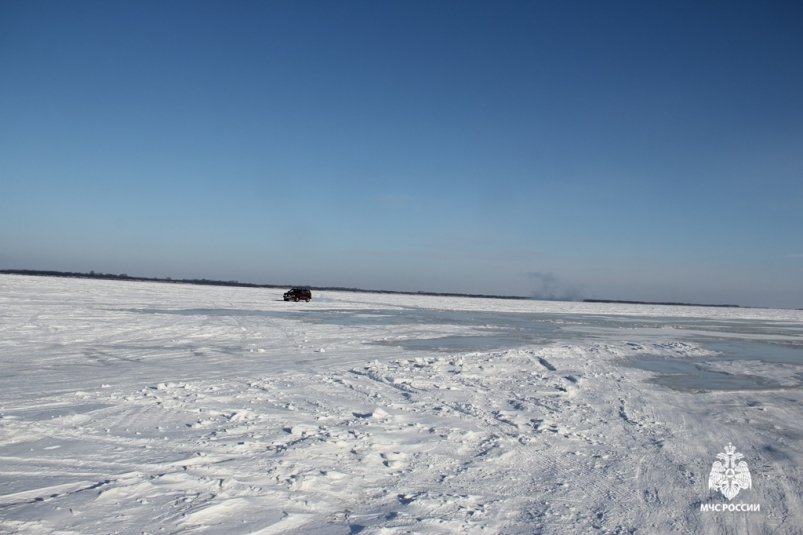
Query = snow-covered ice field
x=130 y=407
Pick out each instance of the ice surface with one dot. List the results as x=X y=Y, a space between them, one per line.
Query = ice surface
x=159 y=408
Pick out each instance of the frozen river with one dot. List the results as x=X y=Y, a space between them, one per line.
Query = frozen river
x=141 y=407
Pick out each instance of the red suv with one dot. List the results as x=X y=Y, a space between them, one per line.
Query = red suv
x=298 y=294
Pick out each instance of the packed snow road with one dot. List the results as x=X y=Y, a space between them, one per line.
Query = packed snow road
x=155 y=408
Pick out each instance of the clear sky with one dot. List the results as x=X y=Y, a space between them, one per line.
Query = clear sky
x=625 y=150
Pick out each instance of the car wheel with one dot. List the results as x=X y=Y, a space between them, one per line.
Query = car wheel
x=307 y=300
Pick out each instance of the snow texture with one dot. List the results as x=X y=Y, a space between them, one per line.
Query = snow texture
x=156 y=408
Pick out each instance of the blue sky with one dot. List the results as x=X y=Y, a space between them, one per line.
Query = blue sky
x=627 y=150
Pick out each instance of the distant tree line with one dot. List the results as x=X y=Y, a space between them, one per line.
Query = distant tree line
x=209 y=282
x=126 y=277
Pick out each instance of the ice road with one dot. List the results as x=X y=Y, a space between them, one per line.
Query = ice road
x=130 y=407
